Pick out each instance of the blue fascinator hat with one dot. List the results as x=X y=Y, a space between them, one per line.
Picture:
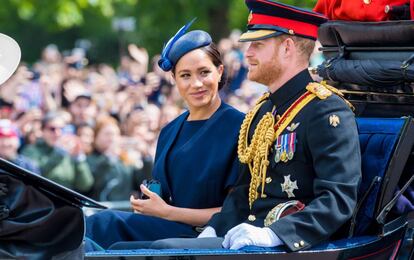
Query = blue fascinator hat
x=182 y=43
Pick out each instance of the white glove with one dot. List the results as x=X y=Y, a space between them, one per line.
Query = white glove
x=249 y=235
x=208 y=232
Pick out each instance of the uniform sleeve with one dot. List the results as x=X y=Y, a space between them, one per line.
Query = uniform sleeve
x=335 y=152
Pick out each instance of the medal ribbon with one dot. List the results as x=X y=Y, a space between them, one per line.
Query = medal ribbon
x=285 y=147
x=292 y=139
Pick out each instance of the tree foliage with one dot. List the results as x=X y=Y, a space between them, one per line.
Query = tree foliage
x=36 y=23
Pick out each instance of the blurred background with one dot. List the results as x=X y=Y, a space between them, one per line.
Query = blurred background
x=103 y=27
x=87 y=102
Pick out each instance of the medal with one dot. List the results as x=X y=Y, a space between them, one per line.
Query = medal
x=277 y=156
x=277 y=149
x=292 y=141
x=285 y=149
x=289 y=186
x=290 y=155
x=283 y=156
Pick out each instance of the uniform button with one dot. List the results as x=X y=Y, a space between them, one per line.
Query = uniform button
x=291 y=32
x=302 y=243
x=387 y=9
x=251 y=218
x=268 y=180
x=264 y=196
x=367 y=2
x=296 y=245
x=170 y=199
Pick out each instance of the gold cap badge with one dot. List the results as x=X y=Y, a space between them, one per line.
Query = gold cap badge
x=249 y=18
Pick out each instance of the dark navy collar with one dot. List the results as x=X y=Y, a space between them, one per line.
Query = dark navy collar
x=291 y=89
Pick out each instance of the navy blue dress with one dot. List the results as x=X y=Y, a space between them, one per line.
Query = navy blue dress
x=196 y=163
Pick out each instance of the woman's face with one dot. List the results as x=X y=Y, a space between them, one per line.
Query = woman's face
x=197 y=79
x=86 y=135
x=107 y=138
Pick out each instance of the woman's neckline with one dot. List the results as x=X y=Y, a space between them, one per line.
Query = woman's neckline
x=206 y=117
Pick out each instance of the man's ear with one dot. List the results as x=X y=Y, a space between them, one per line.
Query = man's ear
x=289 y=47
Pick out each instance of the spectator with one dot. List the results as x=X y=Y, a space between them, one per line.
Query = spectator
x=5 y=109
x=83 y=109
x=60 y=157
x=113 y=179
x=29 y=124
x=9 y=143
x=86 y=135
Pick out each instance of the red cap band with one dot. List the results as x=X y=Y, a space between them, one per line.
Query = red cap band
x=298 y=27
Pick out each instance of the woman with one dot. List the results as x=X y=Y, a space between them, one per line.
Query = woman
x=196 y=160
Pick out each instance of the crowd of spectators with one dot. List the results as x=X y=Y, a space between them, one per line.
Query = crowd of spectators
x=94 y=128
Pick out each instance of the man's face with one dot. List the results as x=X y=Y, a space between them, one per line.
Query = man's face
x=264 y=61
x=8 y=147
x=82 y=110
x=53 y=131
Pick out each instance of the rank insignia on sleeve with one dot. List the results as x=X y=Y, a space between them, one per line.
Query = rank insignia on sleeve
x=289 y=186
x=334 y=120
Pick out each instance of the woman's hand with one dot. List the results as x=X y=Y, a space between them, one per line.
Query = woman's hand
x=153 y=206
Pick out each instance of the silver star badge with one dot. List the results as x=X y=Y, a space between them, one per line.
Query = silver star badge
x=289 y=186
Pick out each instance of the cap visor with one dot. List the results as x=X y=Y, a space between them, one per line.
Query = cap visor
x=255 y=35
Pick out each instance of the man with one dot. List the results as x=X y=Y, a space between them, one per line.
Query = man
x=65 y=166
x=299 y=146
x=9 y=144
x=83 y=109
x=310 y=163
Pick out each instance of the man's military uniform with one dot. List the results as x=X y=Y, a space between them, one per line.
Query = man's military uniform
x=314 y=161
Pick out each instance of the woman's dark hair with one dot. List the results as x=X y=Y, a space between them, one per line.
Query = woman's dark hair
x=215 y=56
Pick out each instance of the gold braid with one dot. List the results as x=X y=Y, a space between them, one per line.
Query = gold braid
x=256 y=154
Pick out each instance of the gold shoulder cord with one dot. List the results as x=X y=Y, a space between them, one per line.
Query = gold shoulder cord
x=257 y=152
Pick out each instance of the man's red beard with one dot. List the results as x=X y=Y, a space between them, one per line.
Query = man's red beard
x=265 y=73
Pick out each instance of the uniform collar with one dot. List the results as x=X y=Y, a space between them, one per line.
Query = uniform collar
x=291 y=89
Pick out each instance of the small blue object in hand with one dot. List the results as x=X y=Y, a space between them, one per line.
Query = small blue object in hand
x=152 y=185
